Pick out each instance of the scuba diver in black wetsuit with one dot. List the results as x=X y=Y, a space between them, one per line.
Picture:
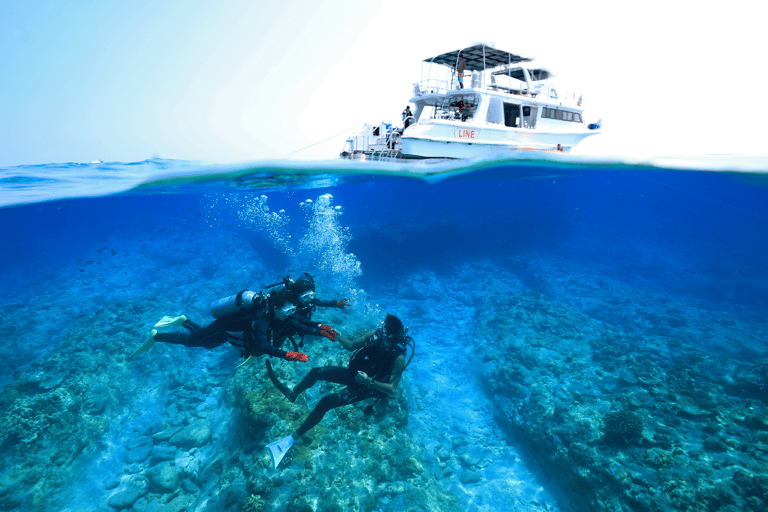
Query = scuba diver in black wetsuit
x=303 y=290
x=255 y=324
x=374 y=371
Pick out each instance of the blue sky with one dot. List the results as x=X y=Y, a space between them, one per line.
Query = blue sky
x=233 y=80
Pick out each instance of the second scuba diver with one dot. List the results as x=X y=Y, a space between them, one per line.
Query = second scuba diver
x=303 y=290
x=255 y=324
x=374 y=371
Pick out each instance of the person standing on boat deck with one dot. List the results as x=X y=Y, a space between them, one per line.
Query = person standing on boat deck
x=460 y=70
x=407 y=117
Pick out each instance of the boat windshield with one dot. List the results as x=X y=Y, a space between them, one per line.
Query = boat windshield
x=458 y=106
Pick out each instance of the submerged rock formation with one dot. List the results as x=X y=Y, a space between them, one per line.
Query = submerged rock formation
x=618 y=421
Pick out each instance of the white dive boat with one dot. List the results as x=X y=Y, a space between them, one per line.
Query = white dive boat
x=489 y=103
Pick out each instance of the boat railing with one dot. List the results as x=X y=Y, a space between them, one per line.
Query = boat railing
x=478 y=82
x=545 y=92
x=562 y=97
x=391 y=149
x=430 y=86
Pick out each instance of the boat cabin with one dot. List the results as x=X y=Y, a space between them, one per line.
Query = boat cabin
x=486 y=84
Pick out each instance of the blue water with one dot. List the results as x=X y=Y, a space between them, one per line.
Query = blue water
x=543 y=294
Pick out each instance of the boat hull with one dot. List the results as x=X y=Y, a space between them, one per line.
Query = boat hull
x=461 y=140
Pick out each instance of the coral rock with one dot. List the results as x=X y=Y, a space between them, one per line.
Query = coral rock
x=164 y=477
x=195 y=435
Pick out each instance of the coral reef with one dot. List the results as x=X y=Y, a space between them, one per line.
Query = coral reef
x=351 y=460
x=617 y=393
x=622 y=427
x=617 y=424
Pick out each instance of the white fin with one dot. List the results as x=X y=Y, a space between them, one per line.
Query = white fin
x=248 y=362
x=171 y=321
x=146 y=345
x=278 y=449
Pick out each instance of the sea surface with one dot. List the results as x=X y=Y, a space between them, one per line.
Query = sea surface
x=591 y=334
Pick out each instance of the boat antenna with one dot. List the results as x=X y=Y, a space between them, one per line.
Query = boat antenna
x=429 y=75
x=458 y=56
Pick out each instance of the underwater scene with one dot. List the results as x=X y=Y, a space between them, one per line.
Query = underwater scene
x=576 y=336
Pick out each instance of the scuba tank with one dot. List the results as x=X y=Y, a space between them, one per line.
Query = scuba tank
x=242 y=302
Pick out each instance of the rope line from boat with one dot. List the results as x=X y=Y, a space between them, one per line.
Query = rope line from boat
x=356 y=127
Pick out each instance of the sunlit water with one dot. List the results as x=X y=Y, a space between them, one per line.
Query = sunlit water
x=543 y=293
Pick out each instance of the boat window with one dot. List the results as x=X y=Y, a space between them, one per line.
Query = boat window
x=529 y=116
x=511 y=115
x=495 y=111
x=561 y=115
x=460 y=107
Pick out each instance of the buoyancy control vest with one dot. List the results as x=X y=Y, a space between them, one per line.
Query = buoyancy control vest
x=376 y=359
x=304 y=311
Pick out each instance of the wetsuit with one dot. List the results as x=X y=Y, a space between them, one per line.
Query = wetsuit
x=375 y=360
x=293 y=325
x=253 y=335
x=407 y=115
x=301 y=323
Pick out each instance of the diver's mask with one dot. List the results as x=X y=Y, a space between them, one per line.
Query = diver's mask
x=387 y=338
x=284 y=312
x=306 y=297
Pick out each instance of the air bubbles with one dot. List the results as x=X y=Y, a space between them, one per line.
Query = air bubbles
x=321 y=249
x=272 y=224
x=325 y=241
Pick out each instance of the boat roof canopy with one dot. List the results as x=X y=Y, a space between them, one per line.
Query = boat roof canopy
x=535 y=74
x=478 y=58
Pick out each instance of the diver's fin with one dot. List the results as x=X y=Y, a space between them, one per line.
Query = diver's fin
x=279 y=385
x=278 y=449
x=171 y=321
x=247 y=362
x=146 y=345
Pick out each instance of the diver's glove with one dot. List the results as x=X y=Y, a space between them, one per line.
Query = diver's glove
x=342 y=304
x=327 y=332
x=296 y=356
